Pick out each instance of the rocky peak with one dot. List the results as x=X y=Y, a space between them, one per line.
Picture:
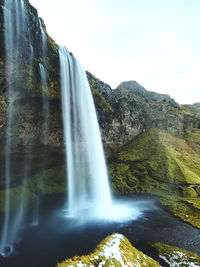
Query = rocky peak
x=132 y=89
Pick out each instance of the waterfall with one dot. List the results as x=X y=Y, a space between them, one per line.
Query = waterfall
x=17 y=42
x=14 y=20
x=88 y=188
x=45 y=93
x=45 y=112
x=88 y=192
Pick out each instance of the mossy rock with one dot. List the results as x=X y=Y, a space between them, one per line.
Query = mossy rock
x=191 y=110
x=127 y=180
x=47 y=182
x=187 y=210
x=54 y=90
x=198 y=190
x=175 y=256
x=188 y=192
x=100 y=101
x=116 y=251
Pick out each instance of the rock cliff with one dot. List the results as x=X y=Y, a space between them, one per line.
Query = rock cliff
x=135 y=110
x=27 y=137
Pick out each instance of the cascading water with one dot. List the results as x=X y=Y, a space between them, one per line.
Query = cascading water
x=45 y=112
x=14 y=20
x=43 y=74
x=88 y=189
x=89 y=196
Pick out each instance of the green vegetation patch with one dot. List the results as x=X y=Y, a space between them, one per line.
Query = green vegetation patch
x=187 y=210
x=100 y=101
x=47 y=182
x=54 y=91
x=154 y=162
x=191 y=110
x=157 y=163
x=115 y=250
x=175 y=256
x=193 y=140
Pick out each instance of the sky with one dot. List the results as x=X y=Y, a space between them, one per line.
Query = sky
x=154 y=42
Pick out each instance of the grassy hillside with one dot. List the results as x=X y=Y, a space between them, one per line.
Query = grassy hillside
x=155 y=161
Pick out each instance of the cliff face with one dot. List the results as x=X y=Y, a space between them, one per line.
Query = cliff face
x=27 y=135
x=135 y=110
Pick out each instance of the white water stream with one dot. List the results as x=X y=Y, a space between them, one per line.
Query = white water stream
x=88 y=188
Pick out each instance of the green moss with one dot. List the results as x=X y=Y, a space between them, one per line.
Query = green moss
x=198 y=190
x=193 y=140
x=47 y=182
x=154 y=162
x=191 y=110
x=100 y=101
x=188 y=192
x=3 y=107
x=129 y=179
x=53 y=45
x=157 y=163
x=54 y=91
x=176 y=256
x=186 y=209
x=130 y=256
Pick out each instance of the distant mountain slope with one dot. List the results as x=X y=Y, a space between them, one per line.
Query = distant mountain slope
x=132 y=89
x=130 y=110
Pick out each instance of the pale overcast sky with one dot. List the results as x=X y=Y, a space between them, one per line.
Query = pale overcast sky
x=155 y=42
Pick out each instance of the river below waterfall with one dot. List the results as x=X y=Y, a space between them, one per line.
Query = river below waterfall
x=56 y=238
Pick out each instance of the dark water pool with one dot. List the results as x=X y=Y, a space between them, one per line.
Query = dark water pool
x=56 y=238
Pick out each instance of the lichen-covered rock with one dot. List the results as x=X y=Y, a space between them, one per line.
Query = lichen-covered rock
x=116 y=251
x=177 y=257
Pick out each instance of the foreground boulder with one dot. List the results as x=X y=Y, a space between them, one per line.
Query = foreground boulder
x=116 y=251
